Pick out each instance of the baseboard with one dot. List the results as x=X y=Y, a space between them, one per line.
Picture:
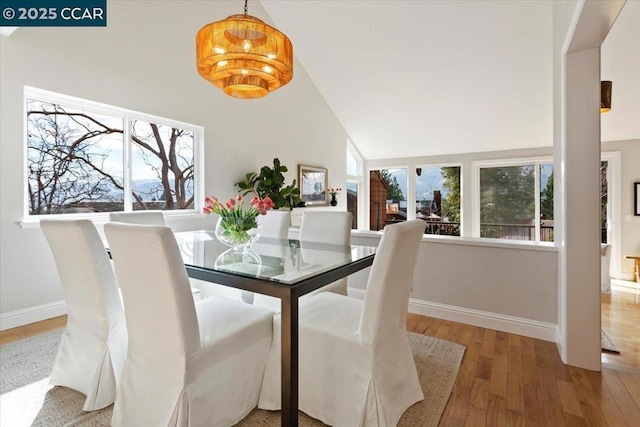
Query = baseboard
x=631 y=284
x=484 y=319
x=25 y=316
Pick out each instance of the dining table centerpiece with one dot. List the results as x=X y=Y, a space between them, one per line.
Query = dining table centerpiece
x=237 y=225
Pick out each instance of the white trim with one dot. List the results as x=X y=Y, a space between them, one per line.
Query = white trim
x=103 y=218
x=16 y=318
x=526 y=245
x=7 y=31
x=484 y=319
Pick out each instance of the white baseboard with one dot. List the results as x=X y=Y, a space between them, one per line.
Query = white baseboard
x=25 y=316
x=484 y=319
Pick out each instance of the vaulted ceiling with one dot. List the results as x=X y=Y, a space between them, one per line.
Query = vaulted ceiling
x=415 y=78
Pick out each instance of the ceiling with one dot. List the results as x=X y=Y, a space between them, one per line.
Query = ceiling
x=417 y=78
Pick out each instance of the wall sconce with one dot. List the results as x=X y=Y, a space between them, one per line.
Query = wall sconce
x=606 y=88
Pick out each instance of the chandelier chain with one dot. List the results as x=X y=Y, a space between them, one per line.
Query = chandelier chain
x=246 y=8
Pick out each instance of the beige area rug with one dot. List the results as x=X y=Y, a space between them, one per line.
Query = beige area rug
x=606 y=343
x=27 y=399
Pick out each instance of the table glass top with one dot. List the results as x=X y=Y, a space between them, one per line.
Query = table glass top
x=283 y=261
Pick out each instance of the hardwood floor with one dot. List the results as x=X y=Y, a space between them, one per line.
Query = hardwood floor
x=505 y=380
x=32 y=329
x=511 y=380
x=621 y=321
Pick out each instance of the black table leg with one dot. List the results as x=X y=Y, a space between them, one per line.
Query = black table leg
x=289 y=361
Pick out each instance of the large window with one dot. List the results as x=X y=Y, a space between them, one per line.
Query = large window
x=387 y=197
x=438 y=199
x=516 y=201
x=78 y=152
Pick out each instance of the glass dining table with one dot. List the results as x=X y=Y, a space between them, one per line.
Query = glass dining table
x=285 y=269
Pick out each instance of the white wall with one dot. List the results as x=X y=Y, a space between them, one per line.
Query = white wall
x=144 y=60
x=620 y=63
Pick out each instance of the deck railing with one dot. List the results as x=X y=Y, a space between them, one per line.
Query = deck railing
x=498 y=231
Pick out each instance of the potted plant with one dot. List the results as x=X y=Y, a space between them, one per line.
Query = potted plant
x=270 y=183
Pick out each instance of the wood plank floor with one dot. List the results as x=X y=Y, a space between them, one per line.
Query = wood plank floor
x=621 y=321
x=505 y=380
x=511 y=380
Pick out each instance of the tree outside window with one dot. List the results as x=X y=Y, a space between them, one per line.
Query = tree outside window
x=75 y=162
x=438 y=199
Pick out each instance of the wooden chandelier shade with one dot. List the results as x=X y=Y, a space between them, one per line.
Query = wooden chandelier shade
x=244 y=57
x=606 y=87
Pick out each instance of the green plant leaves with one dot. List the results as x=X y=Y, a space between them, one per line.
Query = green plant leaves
x=270 y=182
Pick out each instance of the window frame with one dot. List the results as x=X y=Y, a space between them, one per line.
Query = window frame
x=127 y=116
x=523 y=161
x=359 y=181
x=410 y=188
x=414 y=186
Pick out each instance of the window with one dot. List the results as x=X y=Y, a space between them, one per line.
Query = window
x=438 y=199
x=515 y=200
x=546 y=202
x=355 y=181
x=387 y=197
x=77 y=152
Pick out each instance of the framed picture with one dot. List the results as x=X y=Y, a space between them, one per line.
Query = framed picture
x=636 y=198
x=313 y=183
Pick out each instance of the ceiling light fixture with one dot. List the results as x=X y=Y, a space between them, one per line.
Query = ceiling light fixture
x=606 y=87
x=243 y=56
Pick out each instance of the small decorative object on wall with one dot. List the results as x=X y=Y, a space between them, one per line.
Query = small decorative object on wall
x=636 y=198
x=313 y=185
x=333 y=192
x=606 y=88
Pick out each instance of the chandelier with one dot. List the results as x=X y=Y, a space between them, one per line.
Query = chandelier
x=243 y=56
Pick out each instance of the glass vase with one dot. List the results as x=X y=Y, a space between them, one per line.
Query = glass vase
x=234 y=232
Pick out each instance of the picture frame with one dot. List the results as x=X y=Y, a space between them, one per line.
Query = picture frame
x=636 y=198
x=313 y=183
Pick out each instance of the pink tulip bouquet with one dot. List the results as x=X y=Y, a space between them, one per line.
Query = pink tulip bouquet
x=236 y=221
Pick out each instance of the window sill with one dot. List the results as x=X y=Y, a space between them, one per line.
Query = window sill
x=471 y=241
x=103 y=218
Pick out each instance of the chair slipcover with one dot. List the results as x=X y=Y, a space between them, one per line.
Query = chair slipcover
x=91 y=354
x=321 y=227
x=138 y=217
x=188 y=364
x=328 y=227
x=355 y=363
x=605 y=265
x=275 y=224
x=149 y=218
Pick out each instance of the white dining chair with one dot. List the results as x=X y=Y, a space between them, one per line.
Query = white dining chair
x=138 y=217
x=275 y=224
x=195 y=364
x=91 y=354
x=327 y=227
x=150 y=218
x=318 y=227
x=355 y=363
